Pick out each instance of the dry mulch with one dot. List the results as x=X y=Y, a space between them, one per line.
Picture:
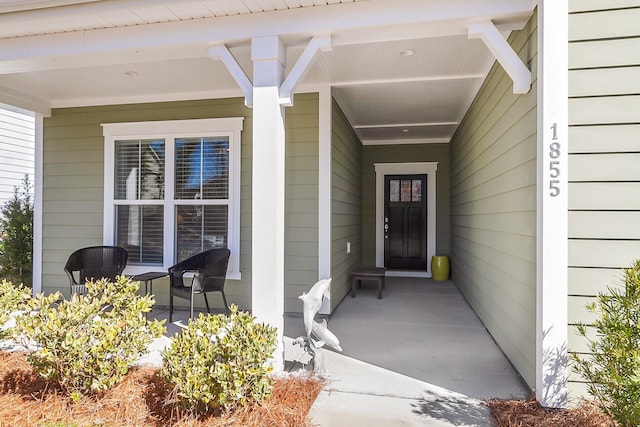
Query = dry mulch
x=529 y=413
x=140 y=400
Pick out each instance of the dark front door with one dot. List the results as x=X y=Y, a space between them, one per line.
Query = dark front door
x=405 y=222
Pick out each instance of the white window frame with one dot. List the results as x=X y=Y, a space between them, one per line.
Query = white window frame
x=168 y=130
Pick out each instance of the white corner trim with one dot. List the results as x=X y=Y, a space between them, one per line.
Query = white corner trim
x=221 y=52
x=552 y=205
x=301 y=68
x=37 y=205
x=504 y=53
x=421 y=168
x=324 y=191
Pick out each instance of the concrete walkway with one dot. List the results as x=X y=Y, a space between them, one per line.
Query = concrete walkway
x=419 y=356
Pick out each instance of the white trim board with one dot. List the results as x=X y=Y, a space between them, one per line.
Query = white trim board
x=422 y=168
x=324 y=191
x=552 y=205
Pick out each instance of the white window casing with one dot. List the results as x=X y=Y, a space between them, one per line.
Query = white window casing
x=169 y=131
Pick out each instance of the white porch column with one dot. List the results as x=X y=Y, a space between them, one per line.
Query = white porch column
x=267 y=212
x=552 y=229
x=37 y=205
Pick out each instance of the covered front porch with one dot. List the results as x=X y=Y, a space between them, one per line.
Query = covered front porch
x=326 y=93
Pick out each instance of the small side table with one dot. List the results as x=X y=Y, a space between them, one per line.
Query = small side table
x=148 y=279
x=372 y=273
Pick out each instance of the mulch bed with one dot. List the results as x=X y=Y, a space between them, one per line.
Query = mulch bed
x=529 y=413
x=140 y=400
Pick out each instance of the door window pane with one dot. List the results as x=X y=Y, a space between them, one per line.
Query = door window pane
x=416 y=190
x=140 y=232
x=139 y=173
x=405 y=190
x=394 y=190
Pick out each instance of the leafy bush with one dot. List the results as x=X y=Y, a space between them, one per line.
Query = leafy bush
x=220 y=361
x=612 y=370
x=86 y=344
x=16 y=231
x=12 y=298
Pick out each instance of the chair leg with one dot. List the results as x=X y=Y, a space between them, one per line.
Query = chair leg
x=224 y=299
x=206 y=301
x=170 y=307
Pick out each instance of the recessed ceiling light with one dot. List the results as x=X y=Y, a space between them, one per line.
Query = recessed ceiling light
x=131 y=73
x=407 y=52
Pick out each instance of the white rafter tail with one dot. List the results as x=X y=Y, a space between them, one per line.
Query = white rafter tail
x=221 y=52
x=504 y=53
x=301 y=67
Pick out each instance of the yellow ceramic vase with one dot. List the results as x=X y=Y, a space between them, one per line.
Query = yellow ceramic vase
x=440 y=268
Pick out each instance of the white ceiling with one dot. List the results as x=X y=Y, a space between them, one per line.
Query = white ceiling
x=119 y=51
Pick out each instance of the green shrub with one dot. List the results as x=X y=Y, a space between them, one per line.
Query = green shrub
x=16 y=229
x=220 y=361
x=612 y=370
x=12 y=298
x=86 y=344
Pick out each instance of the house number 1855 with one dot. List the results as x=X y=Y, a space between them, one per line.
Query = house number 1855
x=554 y=165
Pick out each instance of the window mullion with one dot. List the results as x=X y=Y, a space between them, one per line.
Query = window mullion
x=169 y=202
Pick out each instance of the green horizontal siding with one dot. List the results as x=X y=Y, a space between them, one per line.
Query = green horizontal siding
x=493 y=207
x=301 y=203
x=73 y=153
x=345 y=204
x=604 y=151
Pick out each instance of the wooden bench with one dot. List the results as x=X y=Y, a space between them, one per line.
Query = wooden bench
x=367 y=273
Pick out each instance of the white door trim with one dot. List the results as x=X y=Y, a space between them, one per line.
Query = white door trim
x=422 y=168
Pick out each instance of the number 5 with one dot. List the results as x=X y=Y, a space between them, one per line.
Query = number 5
x=555 y=170
x=553 y=187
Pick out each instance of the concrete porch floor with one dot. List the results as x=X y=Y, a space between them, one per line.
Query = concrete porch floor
x=418 y=356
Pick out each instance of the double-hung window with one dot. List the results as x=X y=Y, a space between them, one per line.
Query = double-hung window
x=172 y=189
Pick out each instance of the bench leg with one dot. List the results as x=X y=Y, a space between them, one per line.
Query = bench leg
x=354 y=281
x=380 y=286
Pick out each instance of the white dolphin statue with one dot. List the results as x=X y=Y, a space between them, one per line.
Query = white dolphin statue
x=324 y=336
x=312 y=301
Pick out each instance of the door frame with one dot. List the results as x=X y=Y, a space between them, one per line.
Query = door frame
x=422 y=168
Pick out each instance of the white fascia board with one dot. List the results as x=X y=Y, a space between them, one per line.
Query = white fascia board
x=141 y=99
x=362 y=17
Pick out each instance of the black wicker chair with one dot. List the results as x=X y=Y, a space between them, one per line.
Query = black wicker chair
x=211 y=270
x=94 y=263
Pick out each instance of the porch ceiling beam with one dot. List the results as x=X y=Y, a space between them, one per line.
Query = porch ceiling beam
x=301 y=67
x=406 y=141
x=387 y=20
x=404 y=125
x=22 y=100
x=419 y=79
x=221 y=52
x=504 y=53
